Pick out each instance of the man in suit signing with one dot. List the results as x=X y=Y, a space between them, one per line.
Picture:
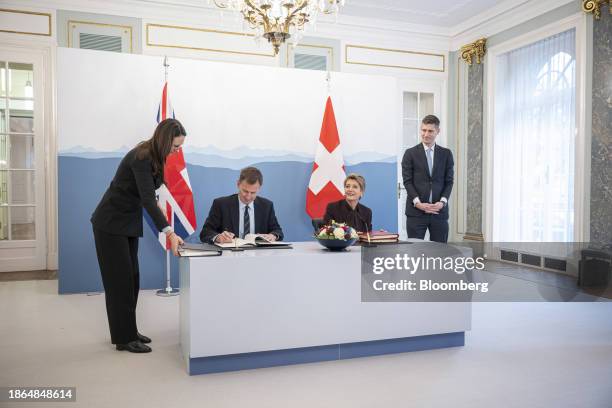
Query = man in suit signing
x=427 y=170
x=243 y=213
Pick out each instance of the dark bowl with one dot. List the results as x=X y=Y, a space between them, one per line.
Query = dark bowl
x=336 y=244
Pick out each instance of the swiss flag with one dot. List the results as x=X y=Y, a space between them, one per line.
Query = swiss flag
x=327 y=178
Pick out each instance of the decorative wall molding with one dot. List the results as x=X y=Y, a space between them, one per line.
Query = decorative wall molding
x=203 y=39
x=384 y=57
x=476 y=49
x=25 y=22
x=594 y=6
x=460 y=131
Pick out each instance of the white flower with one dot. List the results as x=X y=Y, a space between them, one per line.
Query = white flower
x=339 y=233
x=354 y=233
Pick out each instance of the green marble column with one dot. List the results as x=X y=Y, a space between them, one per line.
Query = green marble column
x=473 y=224
x=601 y=141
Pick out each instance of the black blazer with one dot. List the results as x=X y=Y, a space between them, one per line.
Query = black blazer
x=418 y=182
x=360 y=218
x=133 y=187
x=223 y=216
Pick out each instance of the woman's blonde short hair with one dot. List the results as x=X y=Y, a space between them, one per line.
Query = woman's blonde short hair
x=358 y=179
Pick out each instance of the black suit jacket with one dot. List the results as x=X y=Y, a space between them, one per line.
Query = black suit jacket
x=133 y=187
x=418 y=182
x=224 y=213
x=340 y=211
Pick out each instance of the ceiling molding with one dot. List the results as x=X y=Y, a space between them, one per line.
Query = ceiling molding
x=503 y=16
x=391 y=25
x=493 y=22
x=376 y=6
x=480 y=18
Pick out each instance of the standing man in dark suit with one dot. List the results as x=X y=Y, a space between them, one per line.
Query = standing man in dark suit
x=427 y=170
x=240 y=214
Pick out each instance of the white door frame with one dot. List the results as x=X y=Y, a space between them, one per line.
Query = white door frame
x=41 y=253
x=438 y=88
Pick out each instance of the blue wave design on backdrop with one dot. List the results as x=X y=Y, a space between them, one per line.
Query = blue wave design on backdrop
x=236 y=159
x=82 y=182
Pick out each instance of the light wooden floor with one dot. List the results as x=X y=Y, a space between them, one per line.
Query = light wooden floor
x=516 y=355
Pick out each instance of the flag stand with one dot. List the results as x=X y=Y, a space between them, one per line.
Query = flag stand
x=169 y=290
x=161 y=115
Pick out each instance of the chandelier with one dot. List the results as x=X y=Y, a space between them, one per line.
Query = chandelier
x=279 y=20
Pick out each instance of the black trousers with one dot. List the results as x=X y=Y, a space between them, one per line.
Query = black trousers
x=118 y=260
x=417 y=226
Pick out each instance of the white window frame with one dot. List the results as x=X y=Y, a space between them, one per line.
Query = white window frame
x=582 y=166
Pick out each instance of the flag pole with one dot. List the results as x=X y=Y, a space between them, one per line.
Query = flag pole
x=169 y=290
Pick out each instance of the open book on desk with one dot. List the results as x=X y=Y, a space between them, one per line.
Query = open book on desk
x=252 y=241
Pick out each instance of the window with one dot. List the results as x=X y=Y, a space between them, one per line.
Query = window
x=17 y=167
x=534 y=141
x=416 y=106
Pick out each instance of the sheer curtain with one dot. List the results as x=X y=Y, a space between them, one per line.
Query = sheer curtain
x=533 y=142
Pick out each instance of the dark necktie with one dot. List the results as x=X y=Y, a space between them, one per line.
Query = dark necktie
x=247 y=222
x=430 y=166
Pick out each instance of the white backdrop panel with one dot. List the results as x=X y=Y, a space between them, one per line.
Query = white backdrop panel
x=107 y=101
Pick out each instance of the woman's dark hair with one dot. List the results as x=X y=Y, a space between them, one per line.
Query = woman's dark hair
x=159 y=146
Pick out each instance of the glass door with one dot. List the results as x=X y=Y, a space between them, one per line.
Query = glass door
x=22 y=226
x=416 y=103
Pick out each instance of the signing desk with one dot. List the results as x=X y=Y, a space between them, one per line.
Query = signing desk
x=262 y=308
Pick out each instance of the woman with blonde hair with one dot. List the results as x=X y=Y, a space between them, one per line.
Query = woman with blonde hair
x=349 y=210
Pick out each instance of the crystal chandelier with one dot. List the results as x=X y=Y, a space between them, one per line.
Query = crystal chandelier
x=279 y=20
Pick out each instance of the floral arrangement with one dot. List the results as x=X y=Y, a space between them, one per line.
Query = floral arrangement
x=337 y=230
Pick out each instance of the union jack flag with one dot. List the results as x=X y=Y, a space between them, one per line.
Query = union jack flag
x=175 y=196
